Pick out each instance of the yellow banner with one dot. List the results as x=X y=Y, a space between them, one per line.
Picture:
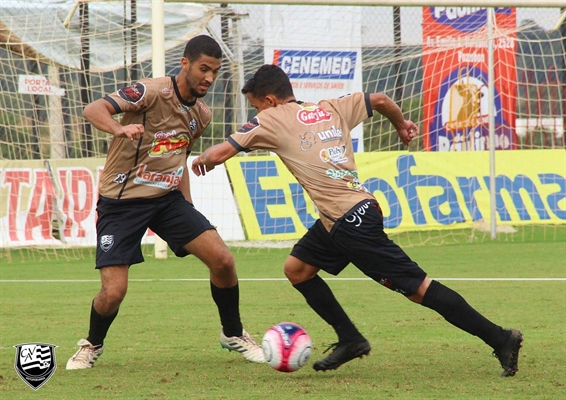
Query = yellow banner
x=417 y=191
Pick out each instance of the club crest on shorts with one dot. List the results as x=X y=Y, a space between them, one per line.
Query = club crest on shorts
x=106 y=242
x=35 y=363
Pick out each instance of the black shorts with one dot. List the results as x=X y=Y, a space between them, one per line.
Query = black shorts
x=358 y=238
x=121 y=225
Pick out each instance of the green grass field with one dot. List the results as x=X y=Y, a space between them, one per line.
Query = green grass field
x=164 y=343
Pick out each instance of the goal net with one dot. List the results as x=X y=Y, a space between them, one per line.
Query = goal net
x=56 y=57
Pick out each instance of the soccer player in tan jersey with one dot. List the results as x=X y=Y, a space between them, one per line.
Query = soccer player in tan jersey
x=145 y=184
x=313 y=141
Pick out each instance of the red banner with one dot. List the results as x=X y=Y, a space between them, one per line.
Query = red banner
x=456 y=80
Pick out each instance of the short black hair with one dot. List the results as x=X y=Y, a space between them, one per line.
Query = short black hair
x=269 y=79
x=202 y=45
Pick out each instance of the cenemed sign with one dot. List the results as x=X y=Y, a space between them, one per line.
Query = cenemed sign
x=302 y=64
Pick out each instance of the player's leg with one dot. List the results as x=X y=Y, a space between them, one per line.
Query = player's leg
x=385 y=262
x=506 y=343
x=103 y=311
x=314 y=248
x=211 y=250
x=120 y=227
x=187 y=231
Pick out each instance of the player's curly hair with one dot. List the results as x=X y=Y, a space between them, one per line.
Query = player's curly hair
x=269 y=79
x=202 y=45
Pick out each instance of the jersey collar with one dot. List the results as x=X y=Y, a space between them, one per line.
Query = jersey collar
x=183 y=101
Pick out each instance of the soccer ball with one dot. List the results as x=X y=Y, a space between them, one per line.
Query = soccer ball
x=286 y=346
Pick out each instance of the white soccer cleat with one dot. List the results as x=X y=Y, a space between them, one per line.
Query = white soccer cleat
x=85 y=356
x=245 y=345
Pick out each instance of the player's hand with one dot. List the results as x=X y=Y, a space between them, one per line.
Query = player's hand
x=200 y=168
x=407 y=132
x=132 y=131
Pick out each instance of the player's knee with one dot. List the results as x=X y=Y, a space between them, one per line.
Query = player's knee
x=297 y=271
x=113 y=295
x=224 y=262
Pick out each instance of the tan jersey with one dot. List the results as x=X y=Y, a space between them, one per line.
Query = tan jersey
x=155 y=164
x=314 y=142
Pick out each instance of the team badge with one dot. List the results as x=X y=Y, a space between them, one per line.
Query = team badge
x=106 y=242
x=193 y=125
x=35 y=363
x=133 y=93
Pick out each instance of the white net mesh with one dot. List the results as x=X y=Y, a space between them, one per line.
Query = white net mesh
x=50 y=70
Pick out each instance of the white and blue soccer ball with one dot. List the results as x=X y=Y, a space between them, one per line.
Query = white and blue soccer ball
x=287 y=347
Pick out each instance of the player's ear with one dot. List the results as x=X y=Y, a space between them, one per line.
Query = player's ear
x=184 y=62
x=271 y=100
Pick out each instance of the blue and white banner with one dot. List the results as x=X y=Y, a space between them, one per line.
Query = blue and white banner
x=322 y=63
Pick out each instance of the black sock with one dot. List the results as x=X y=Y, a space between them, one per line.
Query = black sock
x=99 y=325
x=459 y=313
x=228 y=302
x=322 y=301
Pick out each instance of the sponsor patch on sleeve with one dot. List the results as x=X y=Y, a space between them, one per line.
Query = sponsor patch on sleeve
x=133 y=93
x=249 y=126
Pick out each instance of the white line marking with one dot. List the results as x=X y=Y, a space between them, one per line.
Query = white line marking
x=259 y=279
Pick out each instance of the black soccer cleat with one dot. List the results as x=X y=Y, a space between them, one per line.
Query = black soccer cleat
x=342 y=353
x=508 y=354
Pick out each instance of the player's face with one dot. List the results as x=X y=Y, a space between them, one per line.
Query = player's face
x=201 y=74
x=260 y=104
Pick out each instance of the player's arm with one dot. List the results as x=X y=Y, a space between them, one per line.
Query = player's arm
x=406 y=130
x=212 y=157
x=99 y=113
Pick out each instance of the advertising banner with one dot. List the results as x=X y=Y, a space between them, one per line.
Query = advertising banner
x=321 y=63
x=32 y=199
x=455 y=80
x=416 y=191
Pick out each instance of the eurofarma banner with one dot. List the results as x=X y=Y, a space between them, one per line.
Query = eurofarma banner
x=309 y=55
x=417 y=191
x=456 y=80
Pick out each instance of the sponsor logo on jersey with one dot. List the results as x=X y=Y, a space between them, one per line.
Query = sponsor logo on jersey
x=249 y=126
x=202 y=106
x=193 y=125
x=341 y=173
x=168 y=143
x=334 y=155
x=330 y=134
x=314 y=64
x=310 y=115
x=464 y=19
x=157 y=179
x=308 y=140
x=184 y=109
x=133 y=93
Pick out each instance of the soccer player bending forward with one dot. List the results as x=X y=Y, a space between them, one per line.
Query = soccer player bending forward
x=145 y=184
x=350 y=227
